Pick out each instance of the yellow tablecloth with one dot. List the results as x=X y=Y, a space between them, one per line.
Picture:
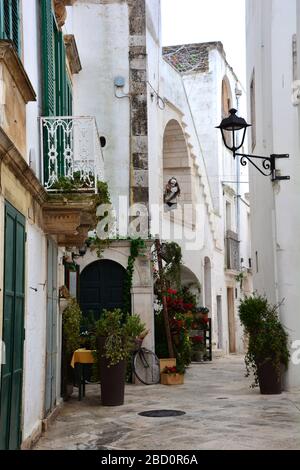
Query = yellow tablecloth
x=83 y=356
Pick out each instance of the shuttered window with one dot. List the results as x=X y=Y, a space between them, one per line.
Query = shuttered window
x=56 y=85
x=10 y=22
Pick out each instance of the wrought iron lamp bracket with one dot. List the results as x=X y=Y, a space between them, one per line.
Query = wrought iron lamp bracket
x=268 y=164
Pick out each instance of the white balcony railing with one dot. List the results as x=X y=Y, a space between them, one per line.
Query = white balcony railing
x=71 y=153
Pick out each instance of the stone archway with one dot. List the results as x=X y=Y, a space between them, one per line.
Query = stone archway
x=176 y=161
x=226 y=97
x=190 y=280
x=142 y=286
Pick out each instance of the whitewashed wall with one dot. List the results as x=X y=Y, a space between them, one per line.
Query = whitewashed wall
x=104 y=56
x=35 y=327
x=275 y=214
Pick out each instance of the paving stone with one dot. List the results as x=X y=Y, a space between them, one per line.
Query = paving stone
x=222 y=412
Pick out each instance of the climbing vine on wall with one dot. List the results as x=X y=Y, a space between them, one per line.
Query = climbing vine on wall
x=172 y=256
x=103 y=197
x=137 y=247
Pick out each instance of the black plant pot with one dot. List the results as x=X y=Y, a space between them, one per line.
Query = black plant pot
x=112 y=379
x=269 y=379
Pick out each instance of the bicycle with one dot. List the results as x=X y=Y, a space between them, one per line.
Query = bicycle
x=145 y=365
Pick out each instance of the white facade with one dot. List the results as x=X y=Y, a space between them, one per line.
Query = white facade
x=191 y=105
x=272 y=57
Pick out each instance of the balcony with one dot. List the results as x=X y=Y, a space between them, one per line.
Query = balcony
x=71 y=152
x=232 y=248
x=72 y=167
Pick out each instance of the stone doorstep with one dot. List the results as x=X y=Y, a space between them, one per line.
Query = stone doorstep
x=49 y=420
x=34 y=437
x=42 y=427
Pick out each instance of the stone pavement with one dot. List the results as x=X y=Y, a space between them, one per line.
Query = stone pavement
x=222 y=412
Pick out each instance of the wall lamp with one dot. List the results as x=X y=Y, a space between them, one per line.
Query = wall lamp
x=233 y=129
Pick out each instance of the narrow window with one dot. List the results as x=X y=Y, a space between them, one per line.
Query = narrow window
x=228 y=216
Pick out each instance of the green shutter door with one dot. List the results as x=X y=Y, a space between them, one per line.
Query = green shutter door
x=13 y=330
x=51 y=332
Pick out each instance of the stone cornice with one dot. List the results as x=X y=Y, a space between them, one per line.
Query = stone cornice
x=11 y=157
x=72 y=53
x=10 y=58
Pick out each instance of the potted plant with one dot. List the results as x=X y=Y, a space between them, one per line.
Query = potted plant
x=71 y=318
x=268 y=353
x=115 y=338
x=198 y=348
x=172 y=376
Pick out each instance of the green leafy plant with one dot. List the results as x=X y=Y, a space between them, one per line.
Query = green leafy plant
x=137 y=248
x=71 y=319
x=172 y=255
x=268 y=341
x=119 y=334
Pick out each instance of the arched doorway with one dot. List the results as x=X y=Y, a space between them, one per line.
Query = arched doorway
x=101 y=287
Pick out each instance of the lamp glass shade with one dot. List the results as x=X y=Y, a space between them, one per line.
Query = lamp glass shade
x=233 y=129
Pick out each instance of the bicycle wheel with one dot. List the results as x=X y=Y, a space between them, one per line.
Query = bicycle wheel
x=146 y=367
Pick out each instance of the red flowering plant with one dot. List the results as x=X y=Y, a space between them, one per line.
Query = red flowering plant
x=198 y=343
x=173 y=370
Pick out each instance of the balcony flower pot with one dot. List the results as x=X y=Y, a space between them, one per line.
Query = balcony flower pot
x=172 y=379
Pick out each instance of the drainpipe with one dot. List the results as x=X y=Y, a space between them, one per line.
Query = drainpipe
x=238 y=94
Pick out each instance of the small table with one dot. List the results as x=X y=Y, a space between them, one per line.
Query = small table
x=80 y=358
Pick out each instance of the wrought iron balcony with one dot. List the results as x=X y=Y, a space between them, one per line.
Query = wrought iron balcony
x=71 y=154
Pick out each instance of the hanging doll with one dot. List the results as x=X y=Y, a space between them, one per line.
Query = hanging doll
x=171 y=194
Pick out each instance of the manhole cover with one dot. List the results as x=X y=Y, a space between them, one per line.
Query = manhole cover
x=222 y=398
x=161 y=413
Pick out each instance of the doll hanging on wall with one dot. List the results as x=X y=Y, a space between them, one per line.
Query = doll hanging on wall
x=171 y=194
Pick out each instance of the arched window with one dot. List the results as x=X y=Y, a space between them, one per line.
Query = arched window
x=226 y=97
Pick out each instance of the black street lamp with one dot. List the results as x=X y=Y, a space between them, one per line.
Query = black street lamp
x=233 y=129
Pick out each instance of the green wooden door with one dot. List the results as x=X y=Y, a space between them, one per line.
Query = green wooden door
x=13 y=330
x=51 y=327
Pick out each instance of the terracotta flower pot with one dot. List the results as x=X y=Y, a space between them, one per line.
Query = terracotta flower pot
x=172 y=379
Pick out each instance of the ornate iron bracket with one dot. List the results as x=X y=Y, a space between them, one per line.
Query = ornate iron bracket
x=268 y=164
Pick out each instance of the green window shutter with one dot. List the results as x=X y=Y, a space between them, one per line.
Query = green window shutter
x=48 y=58
x=10 y=22
x=15 y=24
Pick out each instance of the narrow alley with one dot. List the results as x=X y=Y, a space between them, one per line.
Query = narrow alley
x=222 y=412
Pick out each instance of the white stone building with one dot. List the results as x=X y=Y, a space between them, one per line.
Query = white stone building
x=273 y=71
x=161 y=123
